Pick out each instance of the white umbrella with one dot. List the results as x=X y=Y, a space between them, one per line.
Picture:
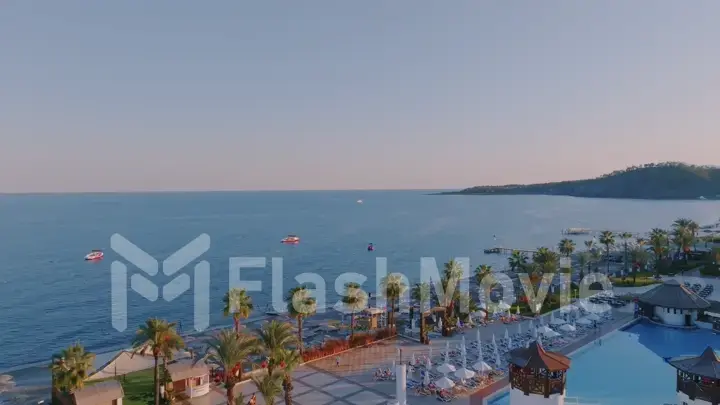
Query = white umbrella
x=517 y=310
x=480 y=353
x=543 y=329
x=497 y=358
x=426 y=379
x=532 y=325
x=464 y=374
x=462 y=344
x=447 y=351
x=478 y=336
x=493 y=340
x=507 y=334
x=567 y=328
x=534 y=333
x=584 y=321
x=446 y=368
x=482 y=367
x=593 y=317
x=444 y=383
x=503 y=306
x=550 y=333
x=413 y=361
x=519 y=328
x=557 y=321
x=552 y=315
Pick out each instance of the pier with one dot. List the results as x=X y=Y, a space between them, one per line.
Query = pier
x=596 y=232
x=507 y=251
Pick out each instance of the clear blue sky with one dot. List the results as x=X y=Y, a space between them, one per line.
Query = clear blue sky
x=195 y=95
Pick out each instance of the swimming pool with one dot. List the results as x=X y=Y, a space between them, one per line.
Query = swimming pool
x=628 y=367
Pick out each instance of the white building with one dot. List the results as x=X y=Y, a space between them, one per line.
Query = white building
x=698 y=378
x=672 y=304
x=537 y=376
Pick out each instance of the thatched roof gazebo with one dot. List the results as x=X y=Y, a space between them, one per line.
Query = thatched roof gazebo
x=673 y=304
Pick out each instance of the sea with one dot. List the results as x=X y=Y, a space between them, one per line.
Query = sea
x=50 y=297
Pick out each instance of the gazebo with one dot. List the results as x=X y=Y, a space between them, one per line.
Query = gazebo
x=698 y=378
x=672 y=304
x=537 y=374
x=374 y=315
x=190 y=379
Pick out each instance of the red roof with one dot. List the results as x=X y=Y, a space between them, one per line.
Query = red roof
x=536 y=357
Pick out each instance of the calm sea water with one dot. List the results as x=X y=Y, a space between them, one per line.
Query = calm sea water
x=50 y=297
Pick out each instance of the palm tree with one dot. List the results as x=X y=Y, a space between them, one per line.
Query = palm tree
x=566 y=247
x=392 y=287
x=158 y=337
x=273 y=337
x=300 y=305
x=639 y=256
x=583 y=260
x=608 y=239
x=422 y=294
x=229 y=350
x=481 y=271
x=354 y=300
x=683 y=239
x=238 y=304
x=269 y=386
x=517 y=260
x=545 y=259
x=659 y=243
x=625 y=236
x=290 y=359
x=70 y=368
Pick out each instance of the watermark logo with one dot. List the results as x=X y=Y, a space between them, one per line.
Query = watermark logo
x=149 y=290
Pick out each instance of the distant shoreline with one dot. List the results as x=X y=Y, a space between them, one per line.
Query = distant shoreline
x=607 y=197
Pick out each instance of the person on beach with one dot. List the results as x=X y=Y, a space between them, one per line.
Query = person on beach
x=337 y=361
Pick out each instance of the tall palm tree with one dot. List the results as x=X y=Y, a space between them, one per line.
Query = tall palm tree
x=230 y=350
x=273 y=337
x=625 y=236
x=607 y=238
x=290 y=360
x=639 y=257
x=392 y=287
x=481 y=271
x=583 y=261
x=354 y=300
x=158 y=337
x=566 y=247
x=70 y=368
x=683 y=239
x=301 y=305
x=659 y=243
x=517 y=260
x=694 y=228
x=269 y=386
x=545 y=259
x=238 y=304
x=422 y=294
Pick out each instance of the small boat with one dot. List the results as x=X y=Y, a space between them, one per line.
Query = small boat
x=495 y=250
x=291 y=240
x=371 y=247
x=94 y=255
x=359 y=201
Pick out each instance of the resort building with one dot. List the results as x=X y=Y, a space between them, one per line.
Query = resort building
x=104 y=393
x=698 y=378
x=672 y=304
x=537 y=376
x=191 y=380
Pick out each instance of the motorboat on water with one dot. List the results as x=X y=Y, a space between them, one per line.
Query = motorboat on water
x=577 y=231
x=359 y=201
x=94 y=255
x=370 y=247
x=291 y=240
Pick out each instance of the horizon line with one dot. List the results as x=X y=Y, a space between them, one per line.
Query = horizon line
x=181 y=191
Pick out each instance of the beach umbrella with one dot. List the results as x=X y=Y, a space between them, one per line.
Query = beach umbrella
x=517 y=310
x=464 y=373
x=551 y=333
x=430 y=355
x=497 y=359
x=507 y=334
x=532 y=325
x=593 y=317
x=480 y=353
x=447 y=351
x=426 y=378
x=552 y=315
x=527 y=344
x=519 y=328
x=446 y=368
x=534 y=333
x=493 y=340
x=444 y=383
x=543 y=329
x=509 y=343
x=413 y=361
x=584 y=321
x=567 y=328
x=557 y=321
x=482 y=367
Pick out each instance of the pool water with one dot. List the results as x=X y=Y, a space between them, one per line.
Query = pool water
x=628 y=366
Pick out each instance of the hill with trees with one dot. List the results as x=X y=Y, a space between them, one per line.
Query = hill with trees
x=653 y=181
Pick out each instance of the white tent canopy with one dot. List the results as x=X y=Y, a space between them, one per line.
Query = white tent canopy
x=482 y=367
x=446 y=368
x=557 y=321
x=444 y=383
x=567 y=328
x=584 y=321
x=464 y=374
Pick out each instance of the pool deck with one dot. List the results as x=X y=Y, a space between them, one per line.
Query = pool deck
x=322 y=382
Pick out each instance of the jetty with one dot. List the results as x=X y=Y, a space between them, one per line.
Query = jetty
x=596 y=232
x=506 y=251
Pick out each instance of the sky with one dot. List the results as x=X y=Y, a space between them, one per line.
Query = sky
x=139 y=95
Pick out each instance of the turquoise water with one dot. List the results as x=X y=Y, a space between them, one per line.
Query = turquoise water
x=628 y=368
x=51 y=298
